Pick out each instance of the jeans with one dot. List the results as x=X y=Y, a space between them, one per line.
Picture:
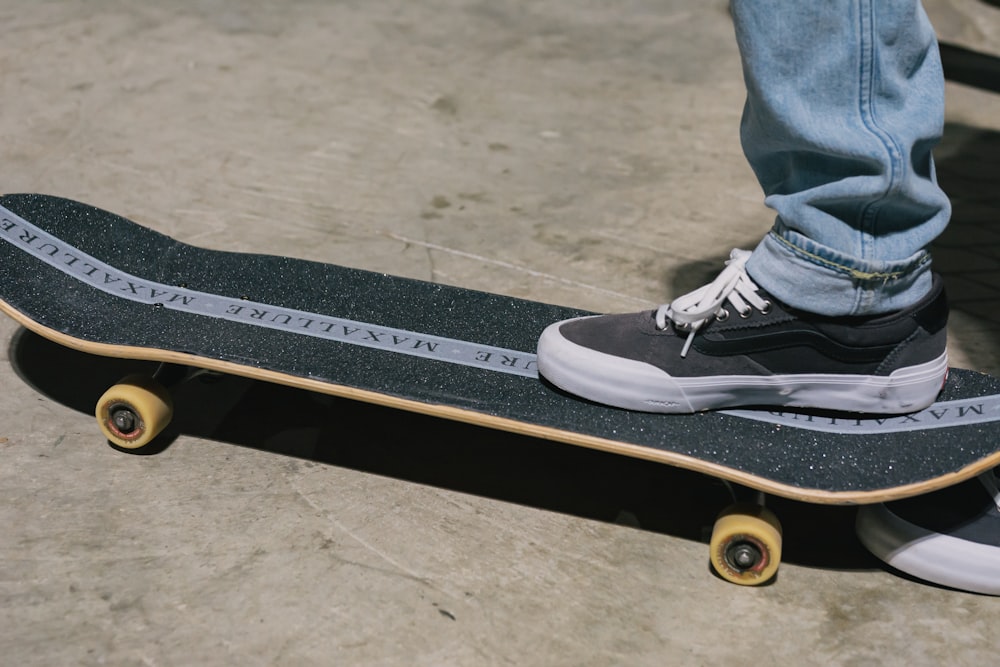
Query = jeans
x=845 y=100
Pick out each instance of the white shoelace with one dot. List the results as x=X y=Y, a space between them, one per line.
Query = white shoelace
x=693 y=310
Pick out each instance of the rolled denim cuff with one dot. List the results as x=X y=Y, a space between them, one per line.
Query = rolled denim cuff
x=806 y=275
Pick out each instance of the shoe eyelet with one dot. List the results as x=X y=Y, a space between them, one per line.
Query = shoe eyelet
x=722 y=315
x=746 y=313
x=767 y=308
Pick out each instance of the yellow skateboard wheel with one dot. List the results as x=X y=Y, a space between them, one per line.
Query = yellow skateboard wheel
x=746 y=545
x=134 y=411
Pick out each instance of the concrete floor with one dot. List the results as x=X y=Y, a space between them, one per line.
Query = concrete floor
x=572 y=151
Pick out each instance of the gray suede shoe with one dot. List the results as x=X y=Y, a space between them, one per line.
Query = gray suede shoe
x=730 y=344
x=951 y=537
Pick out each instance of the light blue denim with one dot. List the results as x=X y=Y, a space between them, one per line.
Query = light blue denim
x=845 y=100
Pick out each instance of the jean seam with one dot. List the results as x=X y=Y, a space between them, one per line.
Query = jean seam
x=866 y=93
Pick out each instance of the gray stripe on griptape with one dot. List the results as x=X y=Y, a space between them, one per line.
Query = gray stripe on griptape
x=106 y=278
x=946 y=414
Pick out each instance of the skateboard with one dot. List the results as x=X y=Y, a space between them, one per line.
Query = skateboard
x=99 y=283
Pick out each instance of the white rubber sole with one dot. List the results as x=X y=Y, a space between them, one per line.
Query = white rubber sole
x=635 y=385
x=941 y=559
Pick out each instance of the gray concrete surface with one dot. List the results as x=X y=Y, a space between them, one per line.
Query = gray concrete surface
x=575 y=151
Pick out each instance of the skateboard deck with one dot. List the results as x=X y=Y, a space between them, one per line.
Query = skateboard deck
x=99 y=283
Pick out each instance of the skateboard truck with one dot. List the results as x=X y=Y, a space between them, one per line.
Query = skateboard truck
x=138 y=407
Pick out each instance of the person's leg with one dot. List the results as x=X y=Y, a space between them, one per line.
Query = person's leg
x=837 y=307
x=845 y=99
